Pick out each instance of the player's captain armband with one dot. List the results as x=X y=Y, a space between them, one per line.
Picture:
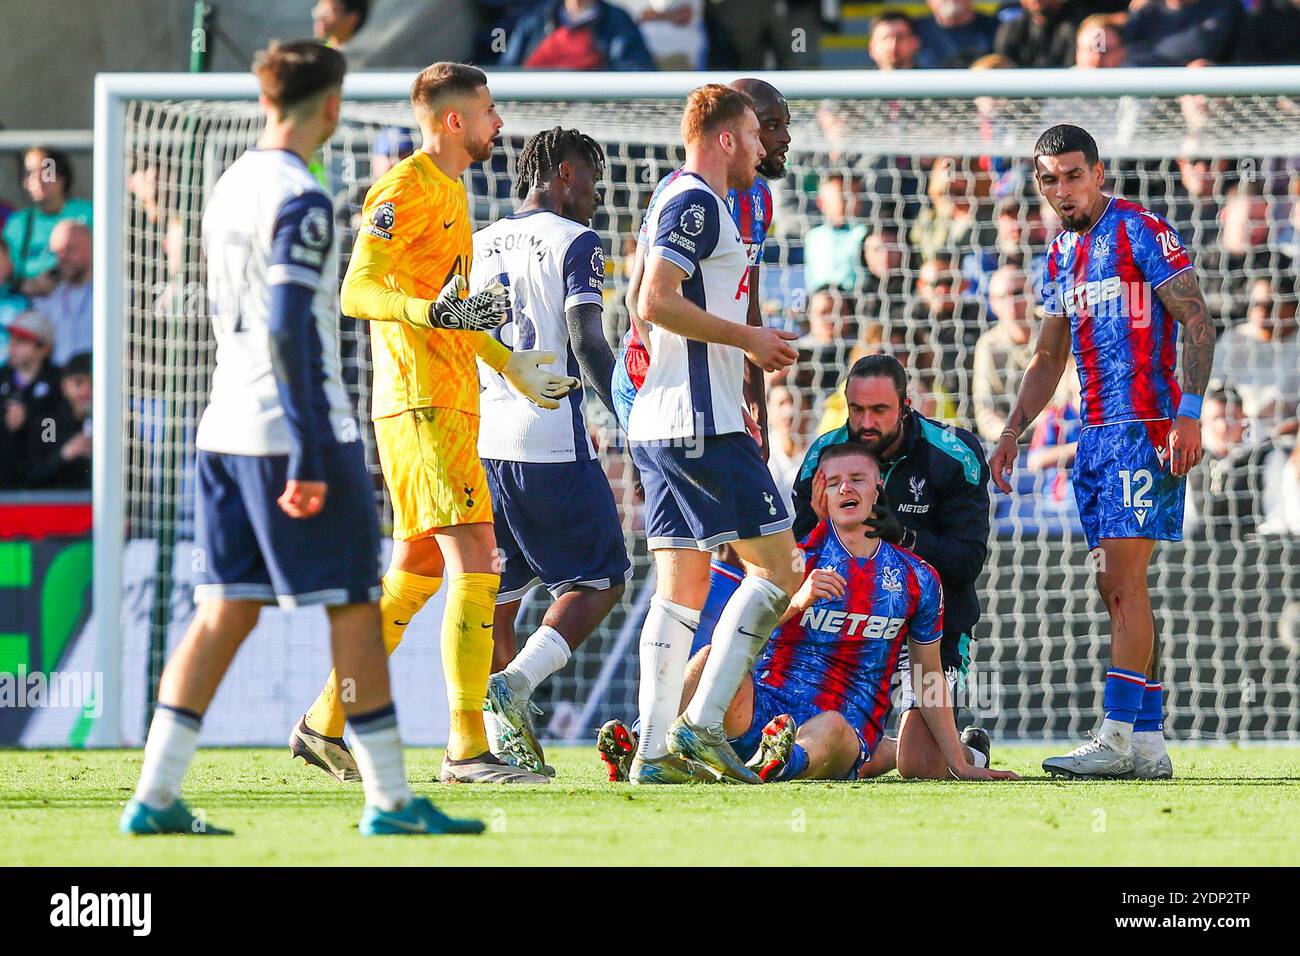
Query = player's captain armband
x=1189 y=406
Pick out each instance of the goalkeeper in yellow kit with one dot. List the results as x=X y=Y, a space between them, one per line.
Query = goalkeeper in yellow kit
x=409 y=268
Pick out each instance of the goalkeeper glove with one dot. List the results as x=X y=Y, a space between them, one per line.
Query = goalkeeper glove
x=524 y=371
x=478 y=313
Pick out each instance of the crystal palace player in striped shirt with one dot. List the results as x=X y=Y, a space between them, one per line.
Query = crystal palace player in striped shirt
x=1117 y=279
x=817 y=699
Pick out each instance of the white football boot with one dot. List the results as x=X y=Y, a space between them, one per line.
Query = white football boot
x=1151 y=757
x=1100 y=758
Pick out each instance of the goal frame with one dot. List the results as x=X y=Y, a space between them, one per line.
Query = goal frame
x=114 y=90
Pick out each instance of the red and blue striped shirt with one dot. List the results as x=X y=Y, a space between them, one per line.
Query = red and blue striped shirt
x=841 y=653
x=1105 y=281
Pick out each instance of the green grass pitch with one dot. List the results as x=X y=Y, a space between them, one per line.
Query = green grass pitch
x=1227 y=806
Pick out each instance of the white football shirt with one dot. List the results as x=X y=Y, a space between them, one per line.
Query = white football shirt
x=267 y=222
x=550 y=264
x=693 y=389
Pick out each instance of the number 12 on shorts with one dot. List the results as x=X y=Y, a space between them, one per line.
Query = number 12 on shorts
x=1137 y=488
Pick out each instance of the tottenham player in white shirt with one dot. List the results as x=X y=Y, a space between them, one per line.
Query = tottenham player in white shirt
x=285 y=507
x=553 y=511
x=705 y=482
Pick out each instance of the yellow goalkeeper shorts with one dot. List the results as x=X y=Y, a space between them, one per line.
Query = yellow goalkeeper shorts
x=435 y=479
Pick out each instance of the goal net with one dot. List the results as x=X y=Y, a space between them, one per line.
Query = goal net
x=905 y=223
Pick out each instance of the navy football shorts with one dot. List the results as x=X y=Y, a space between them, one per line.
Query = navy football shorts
x=703 y=492
x=556 y=523
x=250 y=550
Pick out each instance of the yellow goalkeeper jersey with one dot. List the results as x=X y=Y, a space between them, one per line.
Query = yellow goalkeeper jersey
x=415 y=235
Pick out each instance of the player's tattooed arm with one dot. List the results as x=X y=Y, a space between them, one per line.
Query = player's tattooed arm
x=590 y=348
x=1182 y=296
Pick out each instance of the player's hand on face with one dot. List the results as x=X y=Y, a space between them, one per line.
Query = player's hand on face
x=524 y=371
x=1003 y=462
x=821 y=584
x=819 y=506
x=302 y=499
x=1184 y=446
x=476 y=313
x=770 y=349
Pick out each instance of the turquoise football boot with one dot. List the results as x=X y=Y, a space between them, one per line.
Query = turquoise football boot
x=140 y=819
x=418 y=817
x=711 y=748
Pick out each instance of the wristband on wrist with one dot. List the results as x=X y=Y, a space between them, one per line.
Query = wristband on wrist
x=1189 y=406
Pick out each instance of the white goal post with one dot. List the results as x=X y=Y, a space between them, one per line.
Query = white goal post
x=1246 y=643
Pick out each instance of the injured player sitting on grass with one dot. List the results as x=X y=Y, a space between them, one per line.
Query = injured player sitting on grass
x=816 y=702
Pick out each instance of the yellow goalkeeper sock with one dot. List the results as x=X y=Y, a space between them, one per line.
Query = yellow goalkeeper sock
x=467 y=659
x=404 y=594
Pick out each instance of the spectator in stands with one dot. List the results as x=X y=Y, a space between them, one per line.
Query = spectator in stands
x=955 y=34
x=1193 y=206
x=823 y=350
x=884 y=286
x=1244 y=249
x=952 y=323
x=1270 y=33
x=1055 y=439
x=1002 y=352
x=338 y=21
x=673 y=31
x=392 y=145
x=786 y=445
x=11 y=300
x=1281 y=502
x=577 y=35
x=1041 y=36
x=893 y=44
x=29 y=393
x=1020 y=242
x=70 y=306
x=1225 y=491
x=59 y=456
x=1099 y=44
x=832 y=251
x=1176 y=32
x=1260 y=357
x=744 y=33
x=47 y=179
x=952 y=217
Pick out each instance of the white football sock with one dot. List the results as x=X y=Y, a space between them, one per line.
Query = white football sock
x=1117 y=735
x=665 y=648
x=1149 y=743
x=743 y=628
x=976 y=758
x=173 y=738
x=544 y=653
x=377 y=745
